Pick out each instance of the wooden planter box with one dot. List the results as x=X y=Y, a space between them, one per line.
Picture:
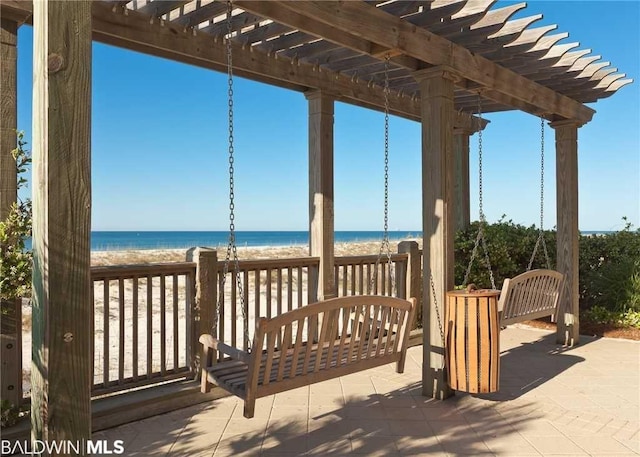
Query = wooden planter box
x=472 y=341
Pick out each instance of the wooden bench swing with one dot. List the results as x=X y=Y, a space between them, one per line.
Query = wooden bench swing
x=320 y=341
x=316 y=342
x=534 y=293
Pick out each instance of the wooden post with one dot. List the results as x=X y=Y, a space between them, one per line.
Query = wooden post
x=436 y=93
x=62 y=308
x=8 y=117
x=206 y=297
x=413 y=276
x=321 y=231
x=461 y=183
x=568 y=233
x=11 y=328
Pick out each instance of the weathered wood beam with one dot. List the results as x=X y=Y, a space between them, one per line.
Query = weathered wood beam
x=368 y=23
x=62 y=359
x=321 y=202
x=134 y=31
x=8 y=116
x=11 y=319
x=568 y=233
x=436 y=93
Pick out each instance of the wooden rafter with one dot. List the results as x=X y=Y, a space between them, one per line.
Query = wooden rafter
x=343 y=45
x=362 y=22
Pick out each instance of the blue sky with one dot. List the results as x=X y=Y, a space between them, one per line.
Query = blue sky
x=159 y=144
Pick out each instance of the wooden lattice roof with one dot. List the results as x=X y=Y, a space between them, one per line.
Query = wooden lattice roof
x=340 y=47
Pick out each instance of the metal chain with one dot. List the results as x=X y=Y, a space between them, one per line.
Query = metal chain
x=541 y=240
x=480 y=239
x=232 y=252
x=385 y=237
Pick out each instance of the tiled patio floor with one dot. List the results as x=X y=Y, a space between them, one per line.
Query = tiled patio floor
x=552 y=401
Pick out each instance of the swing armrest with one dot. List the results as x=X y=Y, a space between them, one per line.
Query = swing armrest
x=209 y=342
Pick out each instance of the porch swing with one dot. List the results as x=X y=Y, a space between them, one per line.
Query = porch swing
x=534 y=293
x=316 y=342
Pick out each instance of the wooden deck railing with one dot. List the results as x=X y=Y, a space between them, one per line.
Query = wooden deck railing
x=368 y=274
x=270 y=287
x=147 y=318
x=142 y=316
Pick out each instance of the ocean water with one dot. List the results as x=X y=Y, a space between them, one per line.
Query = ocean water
x=123 y=240
x=107 y=241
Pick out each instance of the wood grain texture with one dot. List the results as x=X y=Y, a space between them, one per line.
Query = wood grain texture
x=461 y=183
x=436 y=89
x=568 y=235
x=61 y=357
x=206 y=295
x=8 y=116
x=270 y=368
x=11 y=329
x=321 y=204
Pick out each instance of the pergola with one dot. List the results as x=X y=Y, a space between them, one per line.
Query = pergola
x=443 y=55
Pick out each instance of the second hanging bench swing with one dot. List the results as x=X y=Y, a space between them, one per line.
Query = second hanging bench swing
x=536 y=292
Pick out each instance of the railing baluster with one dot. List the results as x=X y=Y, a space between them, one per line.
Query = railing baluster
x=105 y=333
x=176 y=330
x=256 y=280
x=234 y=309
x=121 y=335
x=134 y=348
x=149 y=326
x=93 y=332
x=361 y=278
x=289 y=289
x=163 y=326
x=268 y=290
x=245 y=290
x=299 y=286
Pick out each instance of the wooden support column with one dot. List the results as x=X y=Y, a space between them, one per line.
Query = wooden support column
x=568 y=233
x=436 y=93
x=413 y=276
x=11 y=321
x=62 y=308
x=8 y=115
x=461 y=182
x=321 y=228
x=202 y=312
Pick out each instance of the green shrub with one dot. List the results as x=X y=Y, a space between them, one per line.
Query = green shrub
x=609 y=263
x=15 y=261
x=510 y=246
x=610 y=270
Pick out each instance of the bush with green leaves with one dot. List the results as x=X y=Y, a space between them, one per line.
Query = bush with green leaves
x=609 y=263
x=510 y=247
x=15 y=261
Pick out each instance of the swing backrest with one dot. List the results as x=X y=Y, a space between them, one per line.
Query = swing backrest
x=328 y=339
x=530 y=295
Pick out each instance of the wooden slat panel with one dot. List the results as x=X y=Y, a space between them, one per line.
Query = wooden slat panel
x=289 y=289
x=135 y=337
x=343 y=335
x=271 y=343
x=296 y=348
x=494 y=331
x=485 y=345
x=472 y=342
x=450 y=345
x=176 y=329
x=324 y=329
x=149 y=326
x=286 y=344
x=461 y=368
x=105 y=332
x=245 y=323
x=121 y=335
x=312 y=322
x=384 y=318
x=163 y=326
x=234 y=310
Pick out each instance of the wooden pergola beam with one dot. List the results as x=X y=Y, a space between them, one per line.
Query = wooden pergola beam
x=357 y=19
